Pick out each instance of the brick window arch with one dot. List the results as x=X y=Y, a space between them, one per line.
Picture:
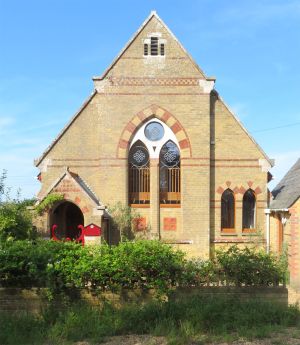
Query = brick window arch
x=169 y=174
x=139 y=174
x=249 y=210
x=227 y=211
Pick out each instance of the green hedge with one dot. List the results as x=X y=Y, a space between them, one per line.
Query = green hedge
x=141 y=264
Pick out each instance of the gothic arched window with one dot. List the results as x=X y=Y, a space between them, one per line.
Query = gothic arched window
x=139 y=174
x=169 y=174
x=227 y=210
x=249 y=206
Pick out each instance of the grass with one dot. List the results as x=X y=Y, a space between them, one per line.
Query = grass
x=195 y=319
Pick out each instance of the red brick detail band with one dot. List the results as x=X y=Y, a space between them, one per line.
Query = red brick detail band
x=176 y=127
x=184 y=144
x=134 y=81
x=165 y=116
x=130 y=127
x=123 y=143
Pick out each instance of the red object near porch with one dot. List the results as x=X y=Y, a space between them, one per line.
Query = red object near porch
x=91 y=230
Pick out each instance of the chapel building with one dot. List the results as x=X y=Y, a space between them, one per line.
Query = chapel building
x=156 y=135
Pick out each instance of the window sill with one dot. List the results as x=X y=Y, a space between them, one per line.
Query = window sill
x=139 y=205
x=249 y=231
x=170 y=205
x=153 y=56
x=228 y=232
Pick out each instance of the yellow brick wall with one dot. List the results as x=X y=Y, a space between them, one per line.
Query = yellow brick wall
x=219 y=150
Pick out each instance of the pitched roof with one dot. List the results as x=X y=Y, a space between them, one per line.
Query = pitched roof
x=288 y=189
x=82 y=184
x=152 y=14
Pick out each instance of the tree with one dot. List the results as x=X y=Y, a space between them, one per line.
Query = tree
x=15 y=219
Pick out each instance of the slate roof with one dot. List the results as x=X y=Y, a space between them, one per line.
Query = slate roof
x=83 y=184
x=288 y=189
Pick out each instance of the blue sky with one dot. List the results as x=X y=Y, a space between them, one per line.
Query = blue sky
x=49 y=51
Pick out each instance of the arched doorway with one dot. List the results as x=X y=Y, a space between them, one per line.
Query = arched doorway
x=67 y=216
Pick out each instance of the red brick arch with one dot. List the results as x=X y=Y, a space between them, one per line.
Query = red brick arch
x=162 y=114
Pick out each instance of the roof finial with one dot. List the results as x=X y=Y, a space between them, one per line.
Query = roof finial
x=153 y=13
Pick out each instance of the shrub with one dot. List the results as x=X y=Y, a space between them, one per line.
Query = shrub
x=29 y=264
x=249 y=267
x=143 y=264
x=62 y=265
x=15 y=219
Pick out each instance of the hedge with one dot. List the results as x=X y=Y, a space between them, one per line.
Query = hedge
x=130 y=265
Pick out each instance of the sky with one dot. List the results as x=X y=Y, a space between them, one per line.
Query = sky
x=50 y=50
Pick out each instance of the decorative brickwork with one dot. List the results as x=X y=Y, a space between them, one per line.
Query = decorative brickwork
x=162 y=114
x=154 y=81
x=170 y=224
x=140 y=224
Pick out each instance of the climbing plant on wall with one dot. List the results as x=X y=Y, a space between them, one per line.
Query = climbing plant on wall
x=48 y=203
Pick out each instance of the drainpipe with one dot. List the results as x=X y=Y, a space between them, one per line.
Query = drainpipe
x=267 y=212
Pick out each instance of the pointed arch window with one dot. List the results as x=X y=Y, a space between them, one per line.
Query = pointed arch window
x=169 y=174
x=227 y=211
x=249 y=209
x=139 y=174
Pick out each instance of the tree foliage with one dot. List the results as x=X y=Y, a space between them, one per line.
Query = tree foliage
x=15 y=219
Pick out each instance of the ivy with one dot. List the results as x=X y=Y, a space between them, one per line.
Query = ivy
x=48 y=203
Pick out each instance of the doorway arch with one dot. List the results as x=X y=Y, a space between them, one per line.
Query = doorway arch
x=67 y=216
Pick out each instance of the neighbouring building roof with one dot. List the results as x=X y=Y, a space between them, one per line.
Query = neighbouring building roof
x=288 y=189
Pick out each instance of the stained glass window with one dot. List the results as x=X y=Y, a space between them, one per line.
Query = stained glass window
x=154 y=131
x=169 y=180
x=227 y=209
x=249 y=209
x=139 y=174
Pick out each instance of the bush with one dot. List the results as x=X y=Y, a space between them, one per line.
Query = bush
x=15 y=219
x=29 y=264
x=130 y=265
x=61 y=265
x=249 y=267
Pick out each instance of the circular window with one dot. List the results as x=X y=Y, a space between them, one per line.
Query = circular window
x=154 y=131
